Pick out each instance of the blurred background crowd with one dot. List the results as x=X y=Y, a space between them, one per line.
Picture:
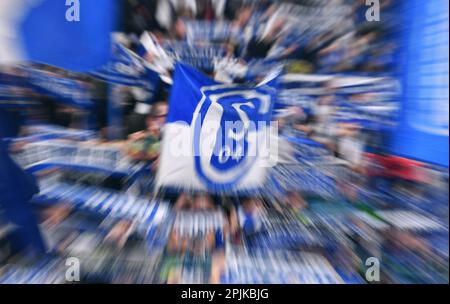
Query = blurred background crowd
x=86 y=150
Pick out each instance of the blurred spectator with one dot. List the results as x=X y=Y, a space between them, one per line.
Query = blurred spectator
x=145 y=145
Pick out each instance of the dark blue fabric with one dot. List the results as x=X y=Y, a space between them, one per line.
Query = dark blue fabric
x=16 y=189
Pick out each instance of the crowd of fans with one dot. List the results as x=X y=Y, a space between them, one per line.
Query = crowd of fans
x=315 y=37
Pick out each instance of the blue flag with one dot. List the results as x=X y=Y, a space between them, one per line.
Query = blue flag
x=423 y=129
x=124 y=67
x=128 y=68
x=74 y=35
x=218 y=136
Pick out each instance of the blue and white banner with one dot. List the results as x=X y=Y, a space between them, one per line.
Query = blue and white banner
x=101 y=202
x=78 y=156
x=218 y=137
x=200 y=55
x=371 y=102
x=74 y=35
x=209 y=30
x=127 y=68
x=64 y=90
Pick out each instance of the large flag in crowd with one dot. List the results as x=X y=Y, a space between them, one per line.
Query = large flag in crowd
x=218 y=136
x=73 y=35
